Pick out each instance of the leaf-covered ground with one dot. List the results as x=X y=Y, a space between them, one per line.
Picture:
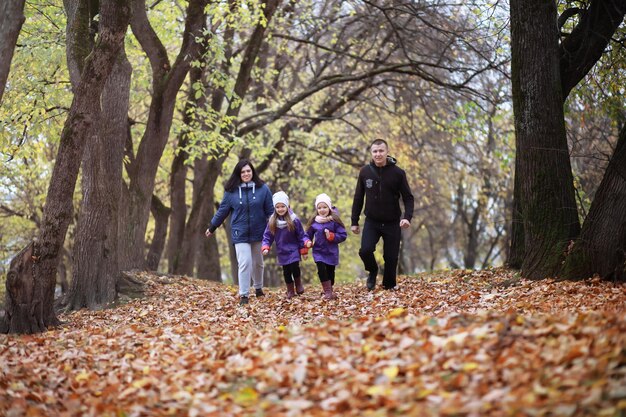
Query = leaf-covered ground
x=449 y=344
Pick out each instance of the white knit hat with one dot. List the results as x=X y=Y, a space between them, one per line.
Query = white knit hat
x=280 y=197
x=323 y=198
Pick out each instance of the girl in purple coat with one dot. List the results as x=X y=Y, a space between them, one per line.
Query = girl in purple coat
x=286 y=230
x=327 y=231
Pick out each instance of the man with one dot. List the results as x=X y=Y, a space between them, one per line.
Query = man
x=381 y=183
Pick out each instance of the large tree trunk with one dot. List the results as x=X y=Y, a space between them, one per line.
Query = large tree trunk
x=601 y=248
x=547 y=193
x=166 y=83
x=578 y=53
x=96 y=267
x=11 y=21
x=83 y=114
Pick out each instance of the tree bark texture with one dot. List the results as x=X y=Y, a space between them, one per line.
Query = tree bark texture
x=548 y=204
x=517 y=247
x=578 y=53
x=207 y=257
x=96 y=266
x=11 y=21
x=178 y=178
x=114 y=17
x=166 y=82
x=161 y=214
x=601 y=248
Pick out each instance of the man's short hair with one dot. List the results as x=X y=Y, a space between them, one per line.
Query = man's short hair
x=379 y=142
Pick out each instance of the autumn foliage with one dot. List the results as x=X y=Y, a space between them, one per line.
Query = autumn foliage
x=459 y=343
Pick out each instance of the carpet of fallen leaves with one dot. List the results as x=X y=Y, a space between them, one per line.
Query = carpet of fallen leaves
x=458 y=343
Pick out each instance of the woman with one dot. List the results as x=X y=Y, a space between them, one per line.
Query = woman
x=250 y=201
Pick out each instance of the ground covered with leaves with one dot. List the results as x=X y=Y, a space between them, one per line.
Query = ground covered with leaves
x=460 y=343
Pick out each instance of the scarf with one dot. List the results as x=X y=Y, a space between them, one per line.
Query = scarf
x=323 y=219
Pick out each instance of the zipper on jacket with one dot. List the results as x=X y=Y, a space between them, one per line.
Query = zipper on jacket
x=248 y=208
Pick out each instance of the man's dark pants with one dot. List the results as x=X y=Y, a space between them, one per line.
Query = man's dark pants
x=391 y=234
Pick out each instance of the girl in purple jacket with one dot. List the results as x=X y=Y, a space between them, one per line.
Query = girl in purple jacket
x=285 y=228
x=326 y=230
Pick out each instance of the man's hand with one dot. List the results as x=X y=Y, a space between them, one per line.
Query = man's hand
x=208 y=233
x=404 y=223
x=355 y=229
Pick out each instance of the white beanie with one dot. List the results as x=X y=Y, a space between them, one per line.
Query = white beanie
x=280 y=197
x=323 y=198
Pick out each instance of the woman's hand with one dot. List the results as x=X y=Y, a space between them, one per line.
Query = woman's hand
x=208 y=233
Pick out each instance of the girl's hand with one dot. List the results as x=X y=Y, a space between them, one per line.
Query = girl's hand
x=265 y=252
x=308 y=244
x=330 y=236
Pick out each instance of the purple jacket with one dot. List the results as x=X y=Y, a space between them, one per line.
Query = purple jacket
x=288 y=243
x=323 y=249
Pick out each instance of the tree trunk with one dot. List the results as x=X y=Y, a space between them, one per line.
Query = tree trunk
x=114 y=16
x=208 y=259
x=22 y=306
x=161 y=214
x=96 y=266
x=517 y=247
x=547 y=191
x=11 y=21
x=601 y=248
x=578 y=53
x=166 y=82
x=178 y=178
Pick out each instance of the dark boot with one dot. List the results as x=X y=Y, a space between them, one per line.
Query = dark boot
x=328 y=290
x=371 y=280
x=243 y=300
x=299 y=286
x=291 y=291
x=259 y=292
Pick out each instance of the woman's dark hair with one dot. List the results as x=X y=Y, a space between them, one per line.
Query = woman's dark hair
x=235 y=178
